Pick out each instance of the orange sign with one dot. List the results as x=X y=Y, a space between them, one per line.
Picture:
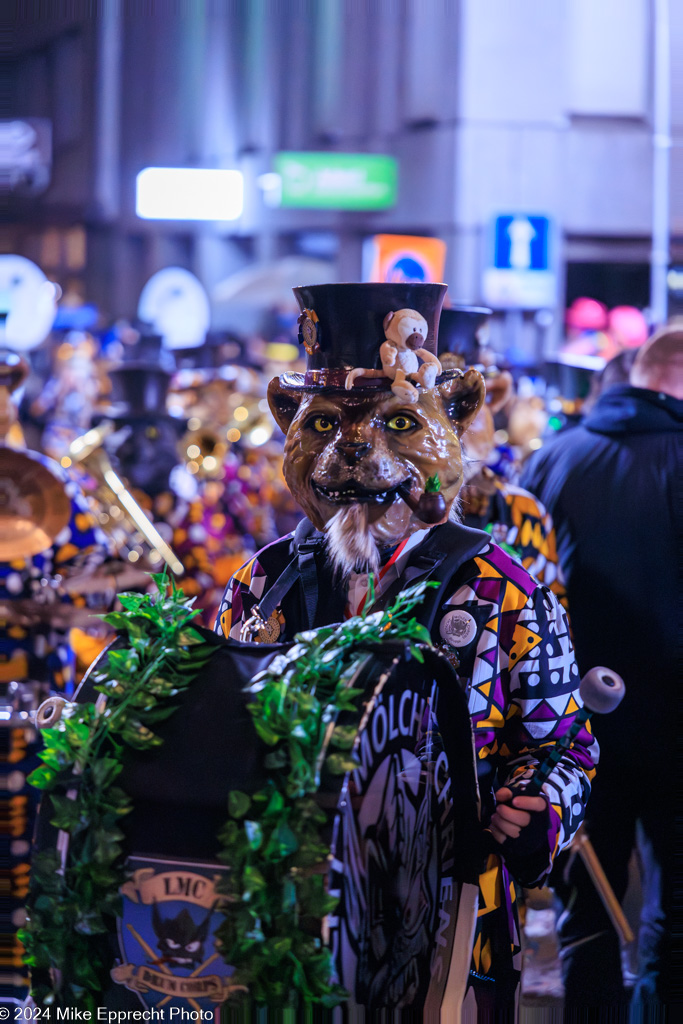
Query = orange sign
x=404 y=258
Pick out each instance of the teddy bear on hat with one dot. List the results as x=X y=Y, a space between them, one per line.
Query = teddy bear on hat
x=405 y=331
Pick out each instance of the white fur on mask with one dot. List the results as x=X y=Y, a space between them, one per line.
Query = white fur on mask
x=350 y=543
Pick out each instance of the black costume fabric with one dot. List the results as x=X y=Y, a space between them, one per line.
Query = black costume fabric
x=613 y=488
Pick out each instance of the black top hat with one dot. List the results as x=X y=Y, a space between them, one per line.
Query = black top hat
x=138 y=390
x=341 y=328
x=459 y=329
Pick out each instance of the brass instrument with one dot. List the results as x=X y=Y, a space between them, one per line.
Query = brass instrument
x=120 y=515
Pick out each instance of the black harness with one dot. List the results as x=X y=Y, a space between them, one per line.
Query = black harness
x=309 y=596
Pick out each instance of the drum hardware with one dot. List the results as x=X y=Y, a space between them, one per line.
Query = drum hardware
x=120 y=514
x=50 y=711
x=18 y=703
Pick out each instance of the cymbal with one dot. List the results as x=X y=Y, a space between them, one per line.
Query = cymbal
x=34 y=507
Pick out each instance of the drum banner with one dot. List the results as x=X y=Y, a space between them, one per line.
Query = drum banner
x=170 y=956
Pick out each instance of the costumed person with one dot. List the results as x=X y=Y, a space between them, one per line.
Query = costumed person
x=48 y=539
x=67 y=402
x=613 y=488
x=377 y=474
x=488 y=501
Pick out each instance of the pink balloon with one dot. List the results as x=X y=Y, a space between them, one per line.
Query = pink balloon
x=628 y=326
x=586 y=314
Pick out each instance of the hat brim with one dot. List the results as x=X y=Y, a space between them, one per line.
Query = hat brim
x=335 y=380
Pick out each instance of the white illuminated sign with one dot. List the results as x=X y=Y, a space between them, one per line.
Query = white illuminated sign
x=188 y=193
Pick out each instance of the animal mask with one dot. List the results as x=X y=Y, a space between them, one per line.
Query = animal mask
x=478 y=441
x=349 y=457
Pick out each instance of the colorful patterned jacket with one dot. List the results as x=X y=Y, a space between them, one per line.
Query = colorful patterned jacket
x=519 y=523
x=522 y=683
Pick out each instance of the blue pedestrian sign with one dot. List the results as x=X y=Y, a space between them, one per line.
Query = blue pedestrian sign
x=520 y=272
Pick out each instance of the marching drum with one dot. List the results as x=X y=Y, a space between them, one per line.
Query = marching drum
x=402 y=828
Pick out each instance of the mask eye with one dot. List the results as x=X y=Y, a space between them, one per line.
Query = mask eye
x=192 y=947
x=401 y=423
x=172 y=945
x=322 y=424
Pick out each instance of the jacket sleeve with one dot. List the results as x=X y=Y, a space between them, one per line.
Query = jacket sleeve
x=544 y=701
x=241 y=594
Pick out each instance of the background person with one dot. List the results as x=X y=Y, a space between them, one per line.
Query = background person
x=613 y=488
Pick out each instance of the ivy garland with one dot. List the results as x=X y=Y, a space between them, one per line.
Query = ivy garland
x=70 y=910
x=272 y=839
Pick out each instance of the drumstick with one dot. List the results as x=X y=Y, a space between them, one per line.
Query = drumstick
x=601 y=691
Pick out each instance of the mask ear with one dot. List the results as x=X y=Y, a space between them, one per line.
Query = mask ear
x=283 y=404
x=463 y=397
x=499 y=391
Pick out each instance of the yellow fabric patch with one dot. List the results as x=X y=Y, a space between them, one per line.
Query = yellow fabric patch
x=66 y=552
x=494 y=721
x=486 y=570
x=490 y=887
x=244 y=574
x=523 y=641
x=15 y=668
x=226 y=622
x=84 y=521
x=514 y=599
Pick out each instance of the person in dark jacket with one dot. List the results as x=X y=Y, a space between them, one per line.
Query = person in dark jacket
x=613 y=488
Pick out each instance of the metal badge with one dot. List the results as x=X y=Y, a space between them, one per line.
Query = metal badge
x=458 y=628
x=308 y=330
x=258 y=630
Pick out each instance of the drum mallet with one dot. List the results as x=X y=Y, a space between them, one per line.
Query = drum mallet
x=601 y=691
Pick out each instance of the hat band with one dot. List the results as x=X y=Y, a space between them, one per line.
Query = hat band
x=337 y=379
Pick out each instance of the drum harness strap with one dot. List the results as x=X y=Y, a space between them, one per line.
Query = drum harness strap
x=447 y=548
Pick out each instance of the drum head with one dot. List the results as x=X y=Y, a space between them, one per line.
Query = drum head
x=34 y=507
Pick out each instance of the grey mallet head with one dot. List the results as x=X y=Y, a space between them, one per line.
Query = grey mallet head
x=602 y=690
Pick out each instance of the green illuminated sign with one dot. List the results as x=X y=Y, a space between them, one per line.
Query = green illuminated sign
x=337 y=181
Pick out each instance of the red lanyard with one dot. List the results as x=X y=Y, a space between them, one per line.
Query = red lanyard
x=383 y=571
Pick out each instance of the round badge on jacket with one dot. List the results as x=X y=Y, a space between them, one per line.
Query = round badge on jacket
x=458 y=628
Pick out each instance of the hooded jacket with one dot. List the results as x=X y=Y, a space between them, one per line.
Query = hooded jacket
x=613 y=488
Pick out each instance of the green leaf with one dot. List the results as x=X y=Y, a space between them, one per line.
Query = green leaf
x=338 y=764
x=66 y=812
x=41 y=777
x=238 y=803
